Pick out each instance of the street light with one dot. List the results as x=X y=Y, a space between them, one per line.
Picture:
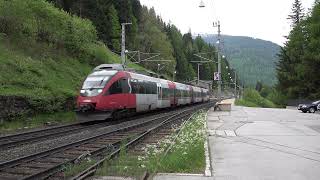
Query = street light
x=158 y=70
x=219 y=55
x=174 y=73
x=202 y=5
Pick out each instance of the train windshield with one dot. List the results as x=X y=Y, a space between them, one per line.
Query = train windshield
x=98 y=79
x=95 y=83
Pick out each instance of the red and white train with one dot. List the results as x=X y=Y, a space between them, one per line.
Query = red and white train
x=111 y=91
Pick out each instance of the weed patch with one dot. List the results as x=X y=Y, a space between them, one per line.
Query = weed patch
x=184 y=154
x=37 y=121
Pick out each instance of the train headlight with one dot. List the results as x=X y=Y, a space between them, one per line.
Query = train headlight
x=90 y=92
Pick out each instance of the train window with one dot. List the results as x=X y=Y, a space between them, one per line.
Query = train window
x=115 y=88
x=134 y=86
x=159 y=93
x=142 y=88
x=125 y=85
x=153 y=88
x=165 y=93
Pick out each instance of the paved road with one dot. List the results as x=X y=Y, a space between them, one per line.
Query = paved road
x=264 y=144
x=261 y=144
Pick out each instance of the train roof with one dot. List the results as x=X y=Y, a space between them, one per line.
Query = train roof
x=104 y=68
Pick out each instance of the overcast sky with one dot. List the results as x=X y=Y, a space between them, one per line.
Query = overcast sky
x=264 y=19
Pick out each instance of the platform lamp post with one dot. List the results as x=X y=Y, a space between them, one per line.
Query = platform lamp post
x=173 y=75
x=216 y=24
x=235 y=80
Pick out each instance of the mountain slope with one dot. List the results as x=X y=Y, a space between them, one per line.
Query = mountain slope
x=254 y=59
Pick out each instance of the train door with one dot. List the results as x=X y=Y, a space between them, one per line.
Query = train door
x=159 y=92
x=118 y=94
x=126 y=93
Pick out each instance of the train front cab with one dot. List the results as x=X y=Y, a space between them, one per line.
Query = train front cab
x=103 y=93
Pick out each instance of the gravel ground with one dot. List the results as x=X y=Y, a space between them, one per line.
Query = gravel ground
x=17 y=152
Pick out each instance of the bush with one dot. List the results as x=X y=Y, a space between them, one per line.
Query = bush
x=277 y=98
x=40 y=21
x=252 y=98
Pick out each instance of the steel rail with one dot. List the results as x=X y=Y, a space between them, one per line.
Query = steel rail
x=33 y=157
x=14 y=140
x=92 y=169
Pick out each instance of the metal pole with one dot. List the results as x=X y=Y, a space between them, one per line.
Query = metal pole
x=219 y=63
x=123 y=43
x=198 y=73
x=235 y=84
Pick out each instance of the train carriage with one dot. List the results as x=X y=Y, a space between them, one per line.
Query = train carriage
x=145 y=89
x=109 y=92
x=196 y=94
x=183 y=94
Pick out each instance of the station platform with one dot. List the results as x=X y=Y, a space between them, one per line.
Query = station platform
x=260 y=144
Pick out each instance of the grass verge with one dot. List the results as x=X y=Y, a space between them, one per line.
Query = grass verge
x=252 y=98
x=74 y=169
x=37 y=121
x=186 y=154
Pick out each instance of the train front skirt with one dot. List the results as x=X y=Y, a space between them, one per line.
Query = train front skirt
x=93 y=115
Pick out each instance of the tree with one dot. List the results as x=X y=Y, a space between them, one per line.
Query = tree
x=297 y=13
x=290 y=67
x=115 y=30
x=259 y=86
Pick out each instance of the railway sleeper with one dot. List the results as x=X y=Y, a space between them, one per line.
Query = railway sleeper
x=63 y=156
x=37 y=165
x=52 y=160
x=88 y=148
x=76 y=152
x=94 y=145
x=9 y=176
x=20 y=170
x=109 y=141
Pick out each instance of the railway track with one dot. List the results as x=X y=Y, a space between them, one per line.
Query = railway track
x=151 y=136
x=43 y=164
x=19 y=139
x=32 y=136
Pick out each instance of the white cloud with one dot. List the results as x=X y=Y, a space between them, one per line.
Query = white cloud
x=264 y=19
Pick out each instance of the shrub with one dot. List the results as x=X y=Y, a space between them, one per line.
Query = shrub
x=252 y=98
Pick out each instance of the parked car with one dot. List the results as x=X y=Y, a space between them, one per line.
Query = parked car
x=311 y=108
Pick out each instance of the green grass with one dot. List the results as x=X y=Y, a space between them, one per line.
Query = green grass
x=242 y=102
x=44 y=76
x=252 y=98
x=74 y=169
x=37 y=121
x=187 y=154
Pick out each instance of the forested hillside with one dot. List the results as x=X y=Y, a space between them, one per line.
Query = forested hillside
x=47 y=47
x=298 y=70
x=148 y=34
x=254 y=59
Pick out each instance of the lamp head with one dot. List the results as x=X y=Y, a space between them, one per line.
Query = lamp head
x=202 y=5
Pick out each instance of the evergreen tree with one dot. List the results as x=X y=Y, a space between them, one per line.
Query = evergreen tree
x=297 y=13
x=114 y=31
x=289 y=66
